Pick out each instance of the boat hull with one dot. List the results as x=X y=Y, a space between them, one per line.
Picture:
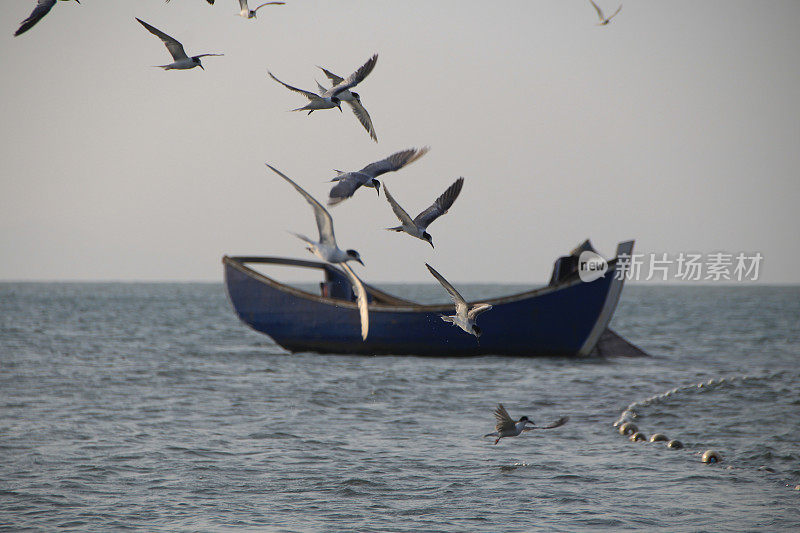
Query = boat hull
x=553 y=321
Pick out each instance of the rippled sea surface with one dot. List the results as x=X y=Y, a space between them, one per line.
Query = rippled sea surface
x=150 y=407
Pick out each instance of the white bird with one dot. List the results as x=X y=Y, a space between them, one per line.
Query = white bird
x=349 y=182
x=42 y=8
x=465 y=316
x=507 y=427
x=330 y=98
x=603 y=19
x=246 y=12
x=354 y=99
x=418 y=226
x=181 y=60
x=327 y=250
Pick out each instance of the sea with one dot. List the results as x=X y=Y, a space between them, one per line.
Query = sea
x=150 y=407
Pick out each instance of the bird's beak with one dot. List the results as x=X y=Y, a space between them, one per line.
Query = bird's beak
x=340 y=108
x=360 y=261
x=431 y=243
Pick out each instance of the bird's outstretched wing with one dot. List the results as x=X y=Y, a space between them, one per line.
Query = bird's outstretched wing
x=42 y=8
x=363 y=117
x=324 y=220
x=478 y=309
x=356 y=77
x=504 y=421
x=361 y=298
x=331 y=76
x=558 y=423
x=440 y=206
x=461 y=304
x=599 y=11
x=307 y=94
x=394 y=162
x=269 y=4
x=346 y=185
x=399 y=212
x=175 y=48
x=615 y=12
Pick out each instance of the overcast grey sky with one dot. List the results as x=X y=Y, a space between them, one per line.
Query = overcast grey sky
x=677 y=125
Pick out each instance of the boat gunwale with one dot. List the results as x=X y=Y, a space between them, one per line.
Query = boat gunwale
x=238 y=262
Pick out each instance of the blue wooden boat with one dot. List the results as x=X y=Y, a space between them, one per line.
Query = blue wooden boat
x=568 y=317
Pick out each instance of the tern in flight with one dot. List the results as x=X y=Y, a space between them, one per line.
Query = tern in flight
x=327 y=250
x=354 y=99
x=507 y=427
x=181 y=60
x=603 y=19
x=465 y=316
x=330 y=98
x=248 y=13
x=349 y=182
x=418 y=226
x=42 y=8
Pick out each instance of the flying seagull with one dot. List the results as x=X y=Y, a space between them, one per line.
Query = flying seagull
x=327 y=250
x=507 y=427
x=354 y=99
x=465 y=316
x=418 y=227
x=181 y=60
x=603 y=19
x=246 y=12
x=349 y=182
x=42 y=8
x=330 y=98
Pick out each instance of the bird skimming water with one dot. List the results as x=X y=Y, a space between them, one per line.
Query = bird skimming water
x=418 y=227
x=349 y=182
x=42 y=8
x=465 y=316
x=507 y=427
x=330 y=98
x=181 y=60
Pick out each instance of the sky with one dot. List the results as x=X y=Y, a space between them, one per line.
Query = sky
x=677 y=125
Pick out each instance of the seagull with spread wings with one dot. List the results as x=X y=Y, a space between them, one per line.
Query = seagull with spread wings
x=42 y=8
x=248 y=13
x=418 y=226
x=181 y=60
x=330 y=98
x=349 y=182
x=603 y=19
x=465 y=316
x=507 y=427
x=354 y=99
x=327 y=250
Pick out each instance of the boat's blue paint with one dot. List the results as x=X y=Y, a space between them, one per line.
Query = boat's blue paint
x=550 y=321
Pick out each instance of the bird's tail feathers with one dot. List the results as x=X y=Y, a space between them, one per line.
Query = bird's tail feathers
x=302 y=237
x=447 y=318
x=396 y=228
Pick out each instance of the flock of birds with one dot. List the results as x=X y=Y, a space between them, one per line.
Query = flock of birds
x=347 y=183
